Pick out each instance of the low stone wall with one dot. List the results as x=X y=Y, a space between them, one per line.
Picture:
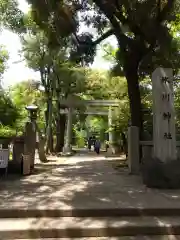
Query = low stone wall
x=134 y=146
x=147 y=149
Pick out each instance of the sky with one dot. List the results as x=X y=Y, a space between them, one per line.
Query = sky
x=18 y=71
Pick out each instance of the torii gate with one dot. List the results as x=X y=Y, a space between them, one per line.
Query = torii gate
x=72 y=102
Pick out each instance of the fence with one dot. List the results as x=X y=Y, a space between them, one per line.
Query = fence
x=134 y=146
x=147 y=148
x=4 y=158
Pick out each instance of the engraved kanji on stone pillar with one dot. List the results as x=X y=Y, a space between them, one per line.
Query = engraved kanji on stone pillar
x=163 y=114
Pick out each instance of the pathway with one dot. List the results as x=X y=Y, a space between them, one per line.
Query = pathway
x=82 y=181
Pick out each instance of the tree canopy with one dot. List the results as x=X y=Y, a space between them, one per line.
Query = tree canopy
x=8 y=111
x=11 y=16
x=142 y=30
x=55 y=44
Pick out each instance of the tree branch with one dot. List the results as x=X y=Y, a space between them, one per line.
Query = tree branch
x=124 y=41
x=75 y=39
x=109 y=15
x=107 y=34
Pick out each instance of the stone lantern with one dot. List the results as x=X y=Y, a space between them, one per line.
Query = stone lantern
x=32 y=109
x=30 y=140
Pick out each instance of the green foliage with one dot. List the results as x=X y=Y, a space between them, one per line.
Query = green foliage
x=102 y=86
x=142 y=29
x=146 y=33
x=23 y=94
x=133 y=22
x=80 y=138
x=10 y=16
x=177 y=106
x=96 y=84
x=44 y=13
x=4 y=56
x=97 y=125
x=110 y=52
x=7 y=132
x=35 y=50
x=57 y=73
x=72 y=80
x=8 y=111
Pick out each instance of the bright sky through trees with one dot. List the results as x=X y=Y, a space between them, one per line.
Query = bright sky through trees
x=17 y=70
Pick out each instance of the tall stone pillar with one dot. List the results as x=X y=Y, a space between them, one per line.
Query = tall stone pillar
x=163 y=115
x=110 y=122
x=111 y=149
x=68 y=138
x=30 y=141
x=18 y=150
x=133 y=150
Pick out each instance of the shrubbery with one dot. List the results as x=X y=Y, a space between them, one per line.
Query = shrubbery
x=8 y=132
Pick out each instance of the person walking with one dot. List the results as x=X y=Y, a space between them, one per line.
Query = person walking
x=89 y=143
x=124 y=141
x=97 y=146
x=106 y=145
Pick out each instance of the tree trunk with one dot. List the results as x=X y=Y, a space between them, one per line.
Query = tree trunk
x=58 y=135
x=131 y=73
x=134 y=98
x=50 y=143
x=58 y=128
x=41 y=150
x=62 y=130
x=49 y=137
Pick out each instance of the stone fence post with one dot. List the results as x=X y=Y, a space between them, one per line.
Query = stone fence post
x=30 y=142
x=133 y=150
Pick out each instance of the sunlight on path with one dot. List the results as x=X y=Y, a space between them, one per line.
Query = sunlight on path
x=82 y=181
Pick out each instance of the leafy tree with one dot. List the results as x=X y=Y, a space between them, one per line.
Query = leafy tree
x=4 y=56
x=97 y=84
x=58 y=77
x=140 y=27
x=27 y=93
x=10 y=16
x=37 y=56
x=8 y=111
x=103 y=86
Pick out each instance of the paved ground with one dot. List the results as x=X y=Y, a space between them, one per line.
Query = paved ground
x=82 y=181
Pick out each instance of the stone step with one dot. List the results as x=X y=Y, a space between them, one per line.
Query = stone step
x=71 y=227
x=91 y=212
x=139 y=237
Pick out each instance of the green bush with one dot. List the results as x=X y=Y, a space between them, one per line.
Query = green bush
x=8 y=111
x=80 y=142
x=80 y=139
x=7 y=132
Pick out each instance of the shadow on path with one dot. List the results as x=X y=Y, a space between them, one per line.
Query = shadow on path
x=85 y=183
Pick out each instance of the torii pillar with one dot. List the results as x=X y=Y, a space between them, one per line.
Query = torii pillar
x=68 y=137
x=111 y=149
